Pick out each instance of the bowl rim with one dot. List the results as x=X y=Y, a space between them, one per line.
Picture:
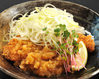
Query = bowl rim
x=82 y=6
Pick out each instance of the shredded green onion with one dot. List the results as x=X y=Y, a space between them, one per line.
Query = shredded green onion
x=40 y=25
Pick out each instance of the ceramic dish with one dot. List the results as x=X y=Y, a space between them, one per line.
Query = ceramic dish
x=83 y=15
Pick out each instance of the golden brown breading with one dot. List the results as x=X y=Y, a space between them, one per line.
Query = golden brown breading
x=30 y=57
x=89 y=42
x=42 y=67
x=17 y=50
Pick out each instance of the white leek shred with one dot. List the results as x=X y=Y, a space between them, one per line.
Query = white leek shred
x=31 y=27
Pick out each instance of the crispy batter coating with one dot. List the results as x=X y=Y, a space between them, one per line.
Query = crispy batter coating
x=17 y=50
x=42 y=67
x=89 y=42
x=29 y=57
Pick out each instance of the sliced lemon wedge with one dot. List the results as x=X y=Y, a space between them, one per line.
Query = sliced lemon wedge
x=81 y=57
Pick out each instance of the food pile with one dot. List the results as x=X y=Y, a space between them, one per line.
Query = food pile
x=48 y=42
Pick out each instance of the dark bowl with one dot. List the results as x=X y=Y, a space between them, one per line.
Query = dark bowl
x=86 y=18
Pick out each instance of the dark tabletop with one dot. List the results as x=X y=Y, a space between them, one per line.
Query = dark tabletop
x=4 y=4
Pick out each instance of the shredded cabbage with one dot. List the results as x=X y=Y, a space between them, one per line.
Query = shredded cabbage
x=48 y=17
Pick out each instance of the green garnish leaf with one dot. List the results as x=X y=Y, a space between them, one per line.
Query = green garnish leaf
x=57 y=34
x=62 y=27
x=61 y=52
x=76 y=36
x=57 y=30
x=76 y=49
x=73 y=35
x=64 y=58
x=73 y=31
x=63 y=46
x=66 y=34
x=58 y=42
x=69 y=42
x=75 y=43
x=44 y=29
